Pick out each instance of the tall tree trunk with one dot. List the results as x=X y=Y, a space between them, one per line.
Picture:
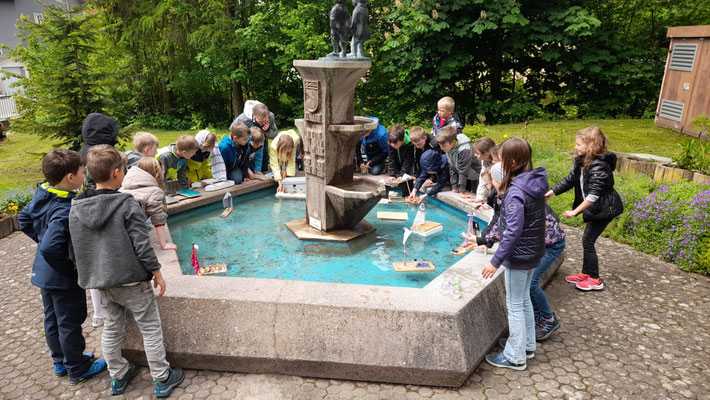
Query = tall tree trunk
x=496 y=69
x=237 y=97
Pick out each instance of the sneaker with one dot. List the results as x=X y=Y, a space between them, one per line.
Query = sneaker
x=498 y=360
x=590 y=284
x=528 y=354
x=60 y=370
x=576 y=278
x=96 y=367
x=546 y=328
x=97 y=322
x=165 y=389
x=118 y=386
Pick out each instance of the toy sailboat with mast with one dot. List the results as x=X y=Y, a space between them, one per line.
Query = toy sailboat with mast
x=422 y=227
x=468 y=245
x=411 y=266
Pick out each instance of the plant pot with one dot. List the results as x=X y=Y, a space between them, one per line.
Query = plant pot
x=701 y=178
x=8 y=224
x=665 y=173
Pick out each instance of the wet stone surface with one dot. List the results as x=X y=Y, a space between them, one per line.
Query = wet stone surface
x=646 y=335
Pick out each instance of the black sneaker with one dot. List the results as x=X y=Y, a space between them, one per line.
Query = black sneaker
x=165 y=389
x=546 y=328
x=118 y=386
x=528 y=354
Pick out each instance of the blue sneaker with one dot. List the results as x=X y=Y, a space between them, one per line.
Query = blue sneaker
x=528 y=354
x=498 y=360
x=165 y=389
x=118 y=386
x=60 y=370
x=96 y=367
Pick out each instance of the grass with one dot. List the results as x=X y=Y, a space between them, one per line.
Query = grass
x=21 y=154
x=625 y=135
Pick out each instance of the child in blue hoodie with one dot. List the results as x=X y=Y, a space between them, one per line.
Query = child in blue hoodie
x=375 y=144
x=522 y=246
x=435 y=169
x=235 y=150
x=46 y=220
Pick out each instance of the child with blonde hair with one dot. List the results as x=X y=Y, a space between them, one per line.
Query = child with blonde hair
x=145 y=184
x=594 y=197
x=282 y=156
x=199 y=166
x=445 y=116
x=145 y=144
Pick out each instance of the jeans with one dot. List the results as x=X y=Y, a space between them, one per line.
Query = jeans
x=140 y=301
x=521 y=320
x=376 y=169
x=541 y=307
x=235 y=175
x=64 y=312
x=590 y=262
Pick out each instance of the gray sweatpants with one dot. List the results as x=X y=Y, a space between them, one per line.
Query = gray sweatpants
x=140 y=301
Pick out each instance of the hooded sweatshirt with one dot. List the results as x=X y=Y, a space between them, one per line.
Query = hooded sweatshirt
x=375 y=145
x=174 y=165
x=462 y=163
x=97 y=129
x=401 y=160
x=144 y=188
x=199 y=167
x=46 y=221
x=522 y=222
x=110 y=240
x=432 y=161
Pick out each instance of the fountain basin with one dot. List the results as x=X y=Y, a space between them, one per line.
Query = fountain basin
x=330 y=330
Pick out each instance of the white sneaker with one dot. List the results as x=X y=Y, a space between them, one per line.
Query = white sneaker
x=97 y=322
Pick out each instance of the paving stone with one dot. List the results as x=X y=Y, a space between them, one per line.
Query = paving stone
x=655 y=346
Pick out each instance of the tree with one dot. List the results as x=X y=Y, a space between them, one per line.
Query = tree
x=64 y=82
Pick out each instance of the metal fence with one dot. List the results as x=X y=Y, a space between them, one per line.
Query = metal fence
x=8 y=109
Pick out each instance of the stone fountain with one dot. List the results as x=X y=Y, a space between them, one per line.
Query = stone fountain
x=335 y=203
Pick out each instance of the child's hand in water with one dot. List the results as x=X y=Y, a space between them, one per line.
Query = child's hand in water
x=488 y=271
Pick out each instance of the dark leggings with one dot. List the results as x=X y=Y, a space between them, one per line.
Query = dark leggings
x=590 y=264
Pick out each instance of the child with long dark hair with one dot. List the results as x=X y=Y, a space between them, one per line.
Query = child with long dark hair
x=522 y=246
x=594 y=197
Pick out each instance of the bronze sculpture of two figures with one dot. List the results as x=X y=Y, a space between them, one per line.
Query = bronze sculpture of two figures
x=344 y=28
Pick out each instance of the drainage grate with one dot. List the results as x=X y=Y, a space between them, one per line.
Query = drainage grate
x=672 y=110
x=683 y=57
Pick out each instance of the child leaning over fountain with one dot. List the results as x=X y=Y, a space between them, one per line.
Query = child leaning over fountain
x=113 y=254
x=435 y=169
x=521 y=248
x=546 y=322
x=282 y=156
x=145 y=183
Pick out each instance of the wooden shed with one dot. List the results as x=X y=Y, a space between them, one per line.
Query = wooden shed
x=685 y=91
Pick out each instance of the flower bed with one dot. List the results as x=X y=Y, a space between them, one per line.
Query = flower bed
x=11 y=203
x=669 y=220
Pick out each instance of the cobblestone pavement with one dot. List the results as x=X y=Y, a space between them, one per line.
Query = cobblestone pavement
x=646 y=336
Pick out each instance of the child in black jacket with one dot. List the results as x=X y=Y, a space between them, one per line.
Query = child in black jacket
x=594 y=196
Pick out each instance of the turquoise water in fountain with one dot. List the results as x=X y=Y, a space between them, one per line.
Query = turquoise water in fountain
x=254 y=242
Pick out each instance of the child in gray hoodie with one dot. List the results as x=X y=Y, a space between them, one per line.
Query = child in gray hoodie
x=113 y=254
x=463 y=167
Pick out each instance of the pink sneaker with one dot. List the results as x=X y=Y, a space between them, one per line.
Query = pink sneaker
x=590 y=284
x=576 y=278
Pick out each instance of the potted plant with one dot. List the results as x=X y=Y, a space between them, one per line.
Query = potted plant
x=11 y=203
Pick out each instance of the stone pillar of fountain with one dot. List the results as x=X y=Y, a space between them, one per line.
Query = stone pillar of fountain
x=330 y=132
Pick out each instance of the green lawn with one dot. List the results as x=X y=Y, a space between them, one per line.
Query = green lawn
x=625 y=135
x=21 y=155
